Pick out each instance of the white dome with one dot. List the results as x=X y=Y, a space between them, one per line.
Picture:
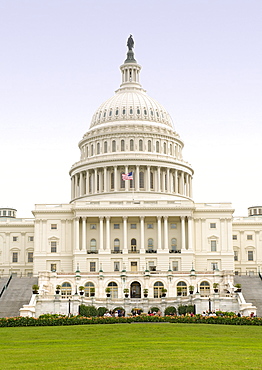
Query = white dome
x=131 y=105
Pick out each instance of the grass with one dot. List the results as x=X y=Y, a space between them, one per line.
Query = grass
x=132 y=346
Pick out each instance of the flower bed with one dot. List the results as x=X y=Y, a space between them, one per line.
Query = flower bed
x=56 y=320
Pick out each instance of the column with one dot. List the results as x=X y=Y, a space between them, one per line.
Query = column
x=115 y=178
x=190 y=187
x=83 y=234
x=158 y=180
x=159 y=234
x=108 y=234
x=76 y=180
x=125 y=250
x=172 y=182
x=72 y=187
x=77 y=233
x=190 y=233
x=168 y=180
x=81 y=184
x=127 y=181
x=182 y=183
x=163 y=181
x=95 y=181
x=166 y=233
x=148 y=178
x=137 y=179
x=87 y=182
x=105 y=180
x=142 y=234
x=183 y=236
x=101 y=234
x=176 y=182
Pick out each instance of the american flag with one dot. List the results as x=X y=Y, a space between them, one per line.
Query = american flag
x=127 y=176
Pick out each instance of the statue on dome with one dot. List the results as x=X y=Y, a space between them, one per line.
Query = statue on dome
x=130 y=43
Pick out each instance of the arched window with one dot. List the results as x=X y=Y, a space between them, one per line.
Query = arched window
x=117 y=245
x=132 y=182
x=105 y=147
x=171 y=149
x=165 y=182
x=164 y=148
x=158 y=286
x=66 y=289
x=141 y=180
x=124 y=111
x=113 y=289
x=204 y=289
x=116 y=111
x=181 y=288
x=90 y=184
x=133 y=245
x=173 y=245
x=138 y=111
x=93 y=245
x=131 y=145
x=97 y=182
x=113 y=146
x=157 y=146
x=149 y=146
x=89 y=290
x=122 y=145
x=110 y=113
x=122 y=182
x=92 y=150
x=131 y=110
x=150 y=245
x=151 y=180
x=98 y=148
x=87 y=151
x=112 y=181
x=140 y=145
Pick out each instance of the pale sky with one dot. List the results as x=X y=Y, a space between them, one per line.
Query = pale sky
x=201 y=59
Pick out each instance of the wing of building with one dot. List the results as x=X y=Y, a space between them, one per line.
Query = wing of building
x=139 y=234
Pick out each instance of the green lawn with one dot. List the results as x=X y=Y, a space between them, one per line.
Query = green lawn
x=132 y=346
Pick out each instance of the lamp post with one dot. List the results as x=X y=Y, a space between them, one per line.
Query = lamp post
x=69 y=307
x=209 y=304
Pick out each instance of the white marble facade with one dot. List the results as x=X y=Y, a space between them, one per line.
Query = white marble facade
x=145 y=233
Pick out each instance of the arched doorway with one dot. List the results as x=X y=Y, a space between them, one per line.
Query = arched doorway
x=135 y=289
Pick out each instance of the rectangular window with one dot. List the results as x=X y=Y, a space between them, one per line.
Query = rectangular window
x=53 y=267
x=234 y=237
x=150 y=226
x=116 y=266
x=214 y=266
x=249 y=237
x=250 y=256
x=30 y=257
x=93 y=226
x=213 y=225
x=134 y=266
x=53 y=247
x=213 y=245
x=175 y=265
x=235 y=256
x=151 y=266
x=53 y=226
x=15 y=257
x=133 y=226
x=172 y=226
x=30 y=238
x=15 y=238
x=92 y=266
x=116 y=226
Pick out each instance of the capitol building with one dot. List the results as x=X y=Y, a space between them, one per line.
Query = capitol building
x=132 y=234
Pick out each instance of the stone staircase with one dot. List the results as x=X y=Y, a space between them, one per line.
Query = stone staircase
x=252 y=290
x=18 y=293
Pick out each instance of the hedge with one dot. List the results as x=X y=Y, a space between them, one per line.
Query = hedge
x=54 y=320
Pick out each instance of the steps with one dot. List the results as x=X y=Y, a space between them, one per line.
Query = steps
x=16 y=295
x=252 y=290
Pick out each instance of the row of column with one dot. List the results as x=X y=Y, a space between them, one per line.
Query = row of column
x=104 y=229
x=103 y=180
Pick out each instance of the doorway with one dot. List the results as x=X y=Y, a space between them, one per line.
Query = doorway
x=135 y=289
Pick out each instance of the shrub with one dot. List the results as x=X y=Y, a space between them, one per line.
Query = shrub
x=170 y=310
x=154 y=309
x=190 y=308
x=88 y=311
x=101 y=311
x=182 y=309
